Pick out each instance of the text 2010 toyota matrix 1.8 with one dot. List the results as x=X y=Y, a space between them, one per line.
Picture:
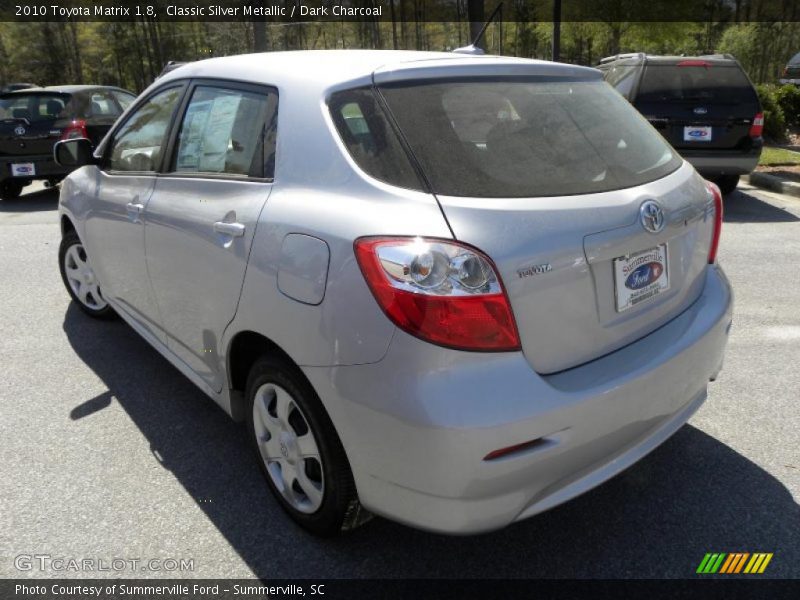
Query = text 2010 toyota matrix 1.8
x=454 y=291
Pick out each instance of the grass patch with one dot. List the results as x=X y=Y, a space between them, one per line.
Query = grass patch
x=779 y=156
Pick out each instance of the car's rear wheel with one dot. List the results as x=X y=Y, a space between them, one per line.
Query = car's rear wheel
x=727 y=183
x=299 y=452
x=10 y=190
x=80 y=279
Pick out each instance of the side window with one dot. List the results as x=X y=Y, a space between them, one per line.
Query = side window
x=125 y=100
x=102 y=105
x=228 y=131
x=370 y=138
x=621 y=78
x=138 y=144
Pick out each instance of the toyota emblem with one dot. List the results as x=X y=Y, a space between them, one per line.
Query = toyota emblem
x=652 y=216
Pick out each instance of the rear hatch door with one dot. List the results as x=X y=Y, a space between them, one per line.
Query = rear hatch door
x=698 y=104
x=31 y=122
x=547 y=172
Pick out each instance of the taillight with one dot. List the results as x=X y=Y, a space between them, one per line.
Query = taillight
x=712 y=250
x=440 y=291
x=76 y=129
x=757 y=128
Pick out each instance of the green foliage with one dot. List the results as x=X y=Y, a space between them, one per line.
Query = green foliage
x=774 y=119
x=788 y=98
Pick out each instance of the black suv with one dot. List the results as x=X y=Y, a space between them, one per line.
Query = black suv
x=33 y=120
x=705 y=106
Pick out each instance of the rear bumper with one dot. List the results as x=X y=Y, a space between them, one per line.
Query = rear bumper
x=417 y=425
x=45 y=167
x=711 y=164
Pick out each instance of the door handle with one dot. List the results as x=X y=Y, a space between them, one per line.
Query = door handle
x=231 y=229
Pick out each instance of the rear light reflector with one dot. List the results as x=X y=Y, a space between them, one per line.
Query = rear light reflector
x=495 y=454
x=440 y=291
x=757 y=128
x=76 y=129
x=712 y=250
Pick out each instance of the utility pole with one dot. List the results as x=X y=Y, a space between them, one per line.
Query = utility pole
x=556 y=30
x=475 y=14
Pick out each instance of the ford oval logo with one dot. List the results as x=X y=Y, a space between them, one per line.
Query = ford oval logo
x=652 y=216
x=698 y=133
x=700 y=110
x=644 y=275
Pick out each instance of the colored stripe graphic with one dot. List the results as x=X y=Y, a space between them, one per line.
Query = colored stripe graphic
x=758 y=563
x=724 y=563
x=711 y=562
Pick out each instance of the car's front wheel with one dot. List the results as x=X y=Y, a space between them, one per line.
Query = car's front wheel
x=80 y=279
x=298 y=449
x=10 y=190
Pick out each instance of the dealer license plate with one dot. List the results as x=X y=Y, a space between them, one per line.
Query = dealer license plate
x=23 y=169
x=697 y=133
x=640 y=277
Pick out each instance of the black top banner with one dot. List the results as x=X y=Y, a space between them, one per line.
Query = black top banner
x=287 y=11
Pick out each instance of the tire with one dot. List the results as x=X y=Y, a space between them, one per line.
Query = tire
x=298 y=450
x=79 y=279
x=727 y=184
x=10 y=190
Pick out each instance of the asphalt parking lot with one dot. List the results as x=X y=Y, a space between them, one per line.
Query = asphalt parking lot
x=107 y=451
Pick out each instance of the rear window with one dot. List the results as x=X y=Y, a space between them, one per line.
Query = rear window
x=696 y=80
x=523 y=138
x=33 y=107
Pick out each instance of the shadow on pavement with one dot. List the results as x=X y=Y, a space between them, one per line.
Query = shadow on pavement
x=692 y=495
x=743 y=207
x=35 y=201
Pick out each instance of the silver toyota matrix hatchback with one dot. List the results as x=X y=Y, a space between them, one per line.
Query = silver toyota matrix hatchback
x=454 y=291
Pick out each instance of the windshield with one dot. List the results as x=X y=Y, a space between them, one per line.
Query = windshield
x=524 y=138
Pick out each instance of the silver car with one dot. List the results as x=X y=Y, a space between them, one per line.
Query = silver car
x=454 y=291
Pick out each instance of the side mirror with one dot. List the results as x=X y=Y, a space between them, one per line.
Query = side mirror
x=73 y=153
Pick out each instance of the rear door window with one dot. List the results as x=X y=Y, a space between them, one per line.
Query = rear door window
x=228 y=131
x=693 y=81
x=527 y=138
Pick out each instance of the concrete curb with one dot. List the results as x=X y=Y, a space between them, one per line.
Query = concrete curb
x=775 y=184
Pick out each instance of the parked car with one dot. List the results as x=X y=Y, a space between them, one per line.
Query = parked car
x=33 y=120
x=791 y=73
x=13 y=87
x=454 y=291
x=705 y=106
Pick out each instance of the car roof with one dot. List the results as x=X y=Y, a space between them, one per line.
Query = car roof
x=322 y=69
x=69 y=89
